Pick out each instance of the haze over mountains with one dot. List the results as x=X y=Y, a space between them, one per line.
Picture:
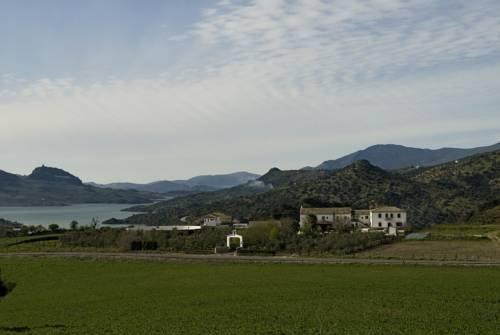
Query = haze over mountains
x=392 y=156
x=195 y=184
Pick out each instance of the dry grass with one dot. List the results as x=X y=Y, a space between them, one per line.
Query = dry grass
x=437 y=250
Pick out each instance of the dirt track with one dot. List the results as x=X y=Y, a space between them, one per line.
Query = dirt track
x=243 y=259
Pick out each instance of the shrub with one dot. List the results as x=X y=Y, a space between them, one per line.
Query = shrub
x=5 y=287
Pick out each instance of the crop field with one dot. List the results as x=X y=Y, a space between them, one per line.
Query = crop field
x=446 y=242
x=63 y=296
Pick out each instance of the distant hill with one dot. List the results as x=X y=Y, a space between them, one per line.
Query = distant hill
x=9 y=225
x=447 y=193
x=195 y=184
x=392 y=157
x=222 y=180
x=47 y=186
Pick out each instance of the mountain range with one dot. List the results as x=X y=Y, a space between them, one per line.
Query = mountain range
x=196 y=184
x=384 y=180
x=448 y=193
x=48 y=186
x=392 y=157
x=385 y=156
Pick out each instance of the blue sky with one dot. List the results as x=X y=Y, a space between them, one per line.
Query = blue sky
x=92 y=39
x=147 y=90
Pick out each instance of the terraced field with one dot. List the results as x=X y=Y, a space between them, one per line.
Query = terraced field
x=69 y=296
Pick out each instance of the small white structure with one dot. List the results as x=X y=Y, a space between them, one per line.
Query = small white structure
x=234 y=235
x=165 y=228
x=215 y=219
x=240 y=225
x=387 y=217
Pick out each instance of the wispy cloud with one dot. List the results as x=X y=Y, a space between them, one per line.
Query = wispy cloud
x=327 y=44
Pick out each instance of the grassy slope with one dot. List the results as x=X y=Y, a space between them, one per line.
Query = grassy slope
x=104 y=297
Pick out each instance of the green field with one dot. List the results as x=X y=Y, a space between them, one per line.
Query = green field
x=62 y=296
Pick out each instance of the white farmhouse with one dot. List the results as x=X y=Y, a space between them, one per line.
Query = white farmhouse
x=387 y=217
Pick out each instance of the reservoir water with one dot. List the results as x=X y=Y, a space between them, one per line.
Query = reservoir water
x=65 y=214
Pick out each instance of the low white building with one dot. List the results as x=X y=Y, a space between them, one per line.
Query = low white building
x=240 y=225
x=387 y=217
x=326 y=216
x=215 y=219
x=165 y=228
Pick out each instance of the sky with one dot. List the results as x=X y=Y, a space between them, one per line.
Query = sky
x=126 y=90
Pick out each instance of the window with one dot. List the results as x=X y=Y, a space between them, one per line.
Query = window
x=386 y=215
x=399 y=215
x=379 y=215
x=392 y=215
x=380 y=224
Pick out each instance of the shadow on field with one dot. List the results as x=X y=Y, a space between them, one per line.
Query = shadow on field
x=28 y=329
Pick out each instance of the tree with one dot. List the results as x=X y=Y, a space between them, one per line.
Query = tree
x=5 y=288
x=74 y=225
x=94 y=223
x=53 y=227
x=312 y=219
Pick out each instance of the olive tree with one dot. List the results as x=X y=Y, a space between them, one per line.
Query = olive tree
x=53 y=227
x=74 y=225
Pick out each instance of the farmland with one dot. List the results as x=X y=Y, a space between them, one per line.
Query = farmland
x=63 y=296
x=445 y=250
x=458 y=242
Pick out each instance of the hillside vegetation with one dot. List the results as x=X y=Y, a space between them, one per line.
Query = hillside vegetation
x=443 y=194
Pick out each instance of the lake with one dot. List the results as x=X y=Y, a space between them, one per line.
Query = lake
x=63 y=215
